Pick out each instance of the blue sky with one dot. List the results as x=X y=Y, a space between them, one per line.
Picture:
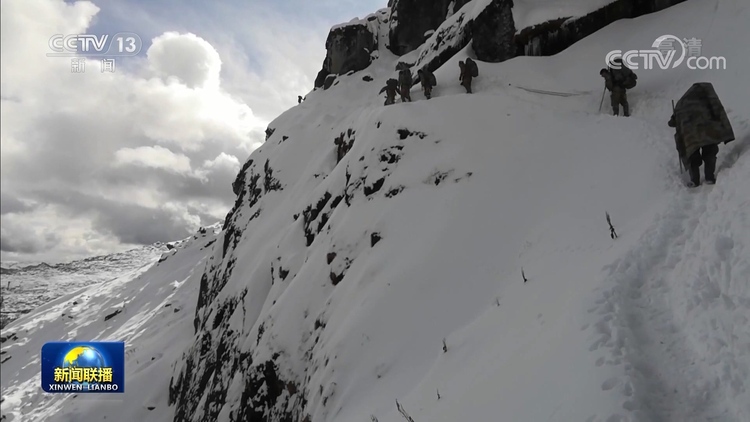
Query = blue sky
x=216 y=21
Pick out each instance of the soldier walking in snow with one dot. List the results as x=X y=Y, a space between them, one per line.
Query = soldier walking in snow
x=701 y=125
x=427 y=79
x=405 y=83
x=617 y=80
x=390 y=88
x=469 y=71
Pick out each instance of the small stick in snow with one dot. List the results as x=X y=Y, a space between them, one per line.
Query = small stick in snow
x=445 y=347
x=438 y=394
x=524 y=278
x=403 y=412
x=612 y=232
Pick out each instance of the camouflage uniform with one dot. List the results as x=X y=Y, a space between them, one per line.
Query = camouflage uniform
x=702 y=124
x=618 y=96
x=404 y=81
x=390 y=89
x=465 y=76
x=425 y=78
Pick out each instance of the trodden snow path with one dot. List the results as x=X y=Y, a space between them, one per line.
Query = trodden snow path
x=654 y=320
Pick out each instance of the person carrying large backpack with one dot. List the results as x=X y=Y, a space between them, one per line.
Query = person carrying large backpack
x=428 y=81
x=390 y=88
x=405 y=82
x=469 y=71
x=618 y=79
x=701 y=124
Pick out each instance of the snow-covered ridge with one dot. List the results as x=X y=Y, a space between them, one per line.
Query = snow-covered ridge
x=27 y=287
x=150 y=308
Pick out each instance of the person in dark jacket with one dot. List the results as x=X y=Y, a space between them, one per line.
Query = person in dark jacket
x=390 y=88
x=618 y=95
x=701 y=124
x=405 y=82
x=427 y=79
x=465 y=76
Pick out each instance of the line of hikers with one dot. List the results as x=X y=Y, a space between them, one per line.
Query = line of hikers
x=468 y=71
x=699 y=119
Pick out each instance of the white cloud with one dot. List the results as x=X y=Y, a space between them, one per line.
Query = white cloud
x=154 y=157
x=107 y=137
x=186 y=57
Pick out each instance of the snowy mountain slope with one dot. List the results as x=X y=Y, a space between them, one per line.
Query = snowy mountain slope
x=461 y=192
x=26 y=287
x=337 y=278
x=150 y=308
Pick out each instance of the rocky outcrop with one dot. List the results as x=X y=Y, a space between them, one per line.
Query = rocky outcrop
x=553 y=36
x=492 y=32
x=440 y=28
x=350 y=47
x=412 y=19
x=495 y=37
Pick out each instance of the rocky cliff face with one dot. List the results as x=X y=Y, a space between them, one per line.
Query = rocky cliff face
x=412 y=19
x=553 y=36
x=441 y=28
x=350 y=46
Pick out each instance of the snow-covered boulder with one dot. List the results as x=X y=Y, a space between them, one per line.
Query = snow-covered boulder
x=350 y=46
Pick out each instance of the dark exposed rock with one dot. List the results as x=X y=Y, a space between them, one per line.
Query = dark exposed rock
x=330 y=79
x=343 y=144
x=374 y=238
x=411 y=19
x=336 y=278
x=405 y=133
x=11 y=337
x=112 y=315
x=239 y=181
x=438 y=177
x=393 y=192
x=369 y=190
x=310 y=215
x=321 y=78
x=553 y=36
x=348 y=49
x=492 y=32
x=391 y=155
x=270 y=183
x=367 y=78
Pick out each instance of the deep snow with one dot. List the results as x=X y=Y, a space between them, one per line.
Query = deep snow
x=652 y=326
x=28 y=286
